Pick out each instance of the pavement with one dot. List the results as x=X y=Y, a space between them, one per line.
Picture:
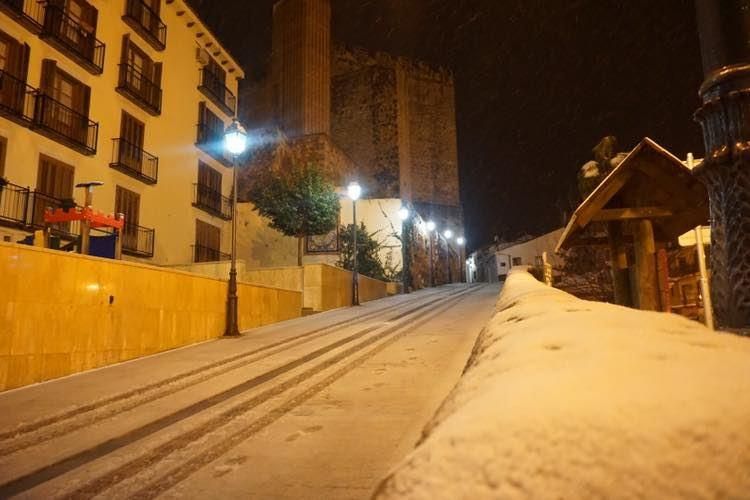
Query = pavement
x=317 y=407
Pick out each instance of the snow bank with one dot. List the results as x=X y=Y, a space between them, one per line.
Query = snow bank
x=565 y=398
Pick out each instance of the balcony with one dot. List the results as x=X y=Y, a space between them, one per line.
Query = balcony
x=207 y=254
x=71 y=37
x=147 y=23
x=138 y=241
x=211 y=141
x=29 y=13
x=214 y=88
x=212 y=201
x=65 y=125
x=16 y=99
x=134 y=161
x=14 y=204
x=139 y=89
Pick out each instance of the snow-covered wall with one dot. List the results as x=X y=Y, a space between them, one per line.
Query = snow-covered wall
x=565 y=398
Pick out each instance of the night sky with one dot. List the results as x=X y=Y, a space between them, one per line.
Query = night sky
x=538 y=83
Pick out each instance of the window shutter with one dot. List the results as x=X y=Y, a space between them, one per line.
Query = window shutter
x=125 y=49
x=157 y=74
x=24 y=63
x=91 y=15
x=202 y=125
x=49 y=68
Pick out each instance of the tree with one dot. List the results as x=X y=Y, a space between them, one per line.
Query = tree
x=298 y=201
x=368 y=252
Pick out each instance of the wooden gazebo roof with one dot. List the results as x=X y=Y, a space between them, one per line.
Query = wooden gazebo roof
x=650 y=183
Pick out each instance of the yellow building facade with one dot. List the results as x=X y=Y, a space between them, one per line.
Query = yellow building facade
x=131 y=93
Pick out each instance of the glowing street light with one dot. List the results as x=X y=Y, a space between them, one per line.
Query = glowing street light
x=430 y=225
x=403 y=213
x=354 y=191
x=235 y=142
x=461 y=241
x=448 y=234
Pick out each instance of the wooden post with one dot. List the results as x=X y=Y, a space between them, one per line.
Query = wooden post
x=662 y=267
x=645 y=265
x=619 y=257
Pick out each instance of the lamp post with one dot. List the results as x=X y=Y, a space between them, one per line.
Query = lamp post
x=354 y=190
x=403 y=214
x=448 y=235
x=235 y=142
x=461 y=241
x=430 y=228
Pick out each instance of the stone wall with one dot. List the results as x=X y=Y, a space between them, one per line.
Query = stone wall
x=396 y=119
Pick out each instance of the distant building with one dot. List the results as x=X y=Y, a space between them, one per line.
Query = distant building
x=385 y=121
x=134 y=93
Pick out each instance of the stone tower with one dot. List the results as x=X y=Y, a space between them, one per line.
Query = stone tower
x=301 y=66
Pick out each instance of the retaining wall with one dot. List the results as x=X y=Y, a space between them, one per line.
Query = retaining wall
x=328 y=287
x=565 y=398
x=63 y=313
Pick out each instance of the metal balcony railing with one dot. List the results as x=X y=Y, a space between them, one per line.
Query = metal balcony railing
x=68 y=35
x=143 y=19
x=207 y=254
x=134 y=161
x=28 y=12
x=16 y=98
x=65 y=124
x=144 y=92
x=138 y=241
x=212 y=201
x=215 y=89
x=14 y=204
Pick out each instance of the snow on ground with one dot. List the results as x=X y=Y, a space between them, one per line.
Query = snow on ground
x=565 y=398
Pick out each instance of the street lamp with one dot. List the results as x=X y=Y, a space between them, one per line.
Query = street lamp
x=354 y=191
x=430 y=228
x=403 y=214
x=235 y=142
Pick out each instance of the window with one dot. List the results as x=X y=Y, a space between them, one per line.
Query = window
x=213 y=85
x=128 y=203
x=140 y=77
x=143 y=17
x=207 y=242
x=54 y=184
x=517 y=261
x=131 y=142
x=208 y=193
x=14 y=66
x=68 y=110
x=211 y=134
x=70 y=26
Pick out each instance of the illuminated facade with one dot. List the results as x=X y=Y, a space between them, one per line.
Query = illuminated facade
x=133 y=93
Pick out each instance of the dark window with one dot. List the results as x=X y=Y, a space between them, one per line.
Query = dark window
x=55 y=178
x=128 y=203
x=209 y=177
x=211 y=134
x=14 y=68
x=517 y=261
x=54 y=184
x=213 y=84
x=131 y=142
x=207 y=242
x=208 y=193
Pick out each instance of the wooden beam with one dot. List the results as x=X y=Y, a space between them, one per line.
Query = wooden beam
x=619 y=259
x=614 y=214
x=645 y=266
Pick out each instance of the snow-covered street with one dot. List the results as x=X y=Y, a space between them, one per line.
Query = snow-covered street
x=319 y=407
